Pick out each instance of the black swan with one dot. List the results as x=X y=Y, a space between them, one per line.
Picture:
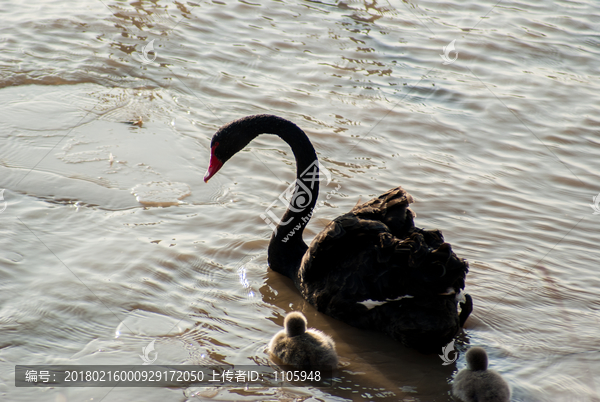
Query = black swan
x=478 y=384
x=306 y=349
x=371 y=267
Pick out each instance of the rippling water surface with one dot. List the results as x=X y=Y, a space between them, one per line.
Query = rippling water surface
x=110 y=239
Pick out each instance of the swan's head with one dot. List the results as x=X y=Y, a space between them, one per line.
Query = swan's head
x=226 y=142
x=233 y=137
x=295 y=324
x=477 y=359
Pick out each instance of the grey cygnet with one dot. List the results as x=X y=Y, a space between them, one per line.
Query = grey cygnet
x=301 y=347
x=478 y=384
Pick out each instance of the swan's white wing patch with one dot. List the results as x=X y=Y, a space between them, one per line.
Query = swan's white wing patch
x=369 y=304
x=449 y=291
x=459 y=297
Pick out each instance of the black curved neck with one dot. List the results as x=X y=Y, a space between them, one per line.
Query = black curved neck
x=286 y=247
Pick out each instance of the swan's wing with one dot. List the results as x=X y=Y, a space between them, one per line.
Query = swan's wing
x=374 y=253
x=391 y=209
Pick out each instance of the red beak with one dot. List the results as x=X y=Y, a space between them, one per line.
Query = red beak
x=214 y=165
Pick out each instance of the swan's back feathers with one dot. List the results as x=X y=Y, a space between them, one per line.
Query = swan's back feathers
x=375 y=252
x=391 y=209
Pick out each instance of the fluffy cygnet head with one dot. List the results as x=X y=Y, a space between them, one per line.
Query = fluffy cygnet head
x=477 y=359
x=295 y=324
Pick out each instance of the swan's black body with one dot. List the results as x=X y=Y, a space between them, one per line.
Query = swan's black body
x=370 y=267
